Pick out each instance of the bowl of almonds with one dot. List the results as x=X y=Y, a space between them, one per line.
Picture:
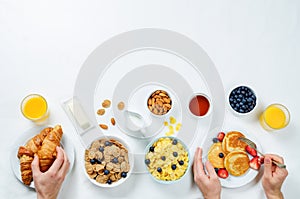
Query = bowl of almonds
x=108 y=161
x=159 y=103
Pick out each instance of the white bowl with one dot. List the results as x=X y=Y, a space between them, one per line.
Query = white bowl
x=168 y=181
x=130 y=158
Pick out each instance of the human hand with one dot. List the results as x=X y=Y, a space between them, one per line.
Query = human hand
x=209 y=184
x=48 y=184
x=273 y=177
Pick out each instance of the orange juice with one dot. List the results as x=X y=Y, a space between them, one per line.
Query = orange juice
x=34 y=107
x=276 y=116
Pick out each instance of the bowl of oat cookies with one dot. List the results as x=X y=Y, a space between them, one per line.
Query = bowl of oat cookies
x=108 y=161
x=167 y=159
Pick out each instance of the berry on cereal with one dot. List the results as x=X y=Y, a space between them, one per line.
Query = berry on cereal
x=181 y=162
x=147 y=161
x=123 y=174
x=174 y=142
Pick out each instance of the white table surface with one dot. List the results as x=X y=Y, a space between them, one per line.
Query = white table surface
x=44 y=43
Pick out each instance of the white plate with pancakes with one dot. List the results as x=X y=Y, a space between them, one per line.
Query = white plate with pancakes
x=232 y=181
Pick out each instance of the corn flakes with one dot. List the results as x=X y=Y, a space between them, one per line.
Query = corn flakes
x=167 y=159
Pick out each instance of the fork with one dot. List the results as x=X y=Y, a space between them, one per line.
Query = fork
x=253 y=145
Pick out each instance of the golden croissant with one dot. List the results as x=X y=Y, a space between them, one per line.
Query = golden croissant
x=44 y=145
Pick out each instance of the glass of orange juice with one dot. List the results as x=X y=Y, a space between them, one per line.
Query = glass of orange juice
x=275 y=116
x=35 y=108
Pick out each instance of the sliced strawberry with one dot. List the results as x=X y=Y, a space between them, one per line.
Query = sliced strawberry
x=221 y=136
x=223 y=173
x=255 y=163
x=261 y=159
x=251 y=151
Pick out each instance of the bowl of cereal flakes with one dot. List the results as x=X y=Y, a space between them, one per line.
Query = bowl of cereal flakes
x=108 y=161
x=167 y=159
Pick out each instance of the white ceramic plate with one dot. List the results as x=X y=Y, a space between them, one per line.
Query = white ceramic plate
x=25 y=136
x=129 y=67
x=233 y=181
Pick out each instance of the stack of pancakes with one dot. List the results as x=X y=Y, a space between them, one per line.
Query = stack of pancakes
x=235 y=159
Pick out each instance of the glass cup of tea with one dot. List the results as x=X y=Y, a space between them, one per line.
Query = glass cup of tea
x=275 y=117
x=35 y=108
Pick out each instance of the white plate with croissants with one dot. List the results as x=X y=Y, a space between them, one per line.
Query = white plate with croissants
x=41 y=141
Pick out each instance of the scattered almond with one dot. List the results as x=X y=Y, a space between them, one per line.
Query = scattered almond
x=101 y=111
x=121 y=105
x=106 y=103
x=103 y=126
x=113 y=121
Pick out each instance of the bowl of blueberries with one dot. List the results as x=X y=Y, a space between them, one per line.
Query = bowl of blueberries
x=242 y=100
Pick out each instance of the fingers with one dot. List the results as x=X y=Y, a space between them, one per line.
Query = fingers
x=210 y=169
x=58 y=162
x=66 y=164
x=268 y=171
x=35 y=165
x=198 y=164
x=276 y=158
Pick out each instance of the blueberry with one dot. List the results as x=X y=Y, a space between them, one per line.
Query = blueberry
x=238 y=92
x=147 y=161
x=124 y=174
x=244 y=107
x=151 y=149
x=249 y=100
x=115 y=160
x=243 y=92
x=159 y=169
x=173 y=166
x=92 y=161
x=215 y=140
x=231 y=99
x=101 y=148
x=163 y=158
x=241 y=96
x=175 y=154
x=221 y=155
x=241 y=111
x=174 y=142
x=216 y=170
x=238 y=105
x=99 y=161
x=181 y=162
x=108 y=143
x=232 y=105
x=109 y=181
x=244 y=101
x=106 y=172
x=238 y=100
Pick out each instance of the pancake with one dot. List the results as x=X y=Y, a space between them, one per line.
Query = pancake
x=237 y=163
x=213 y=155
x=231 y=142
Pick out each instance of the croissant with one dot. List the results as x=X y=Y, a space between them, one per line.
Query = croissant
x=47 y=152
x=34 y=146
